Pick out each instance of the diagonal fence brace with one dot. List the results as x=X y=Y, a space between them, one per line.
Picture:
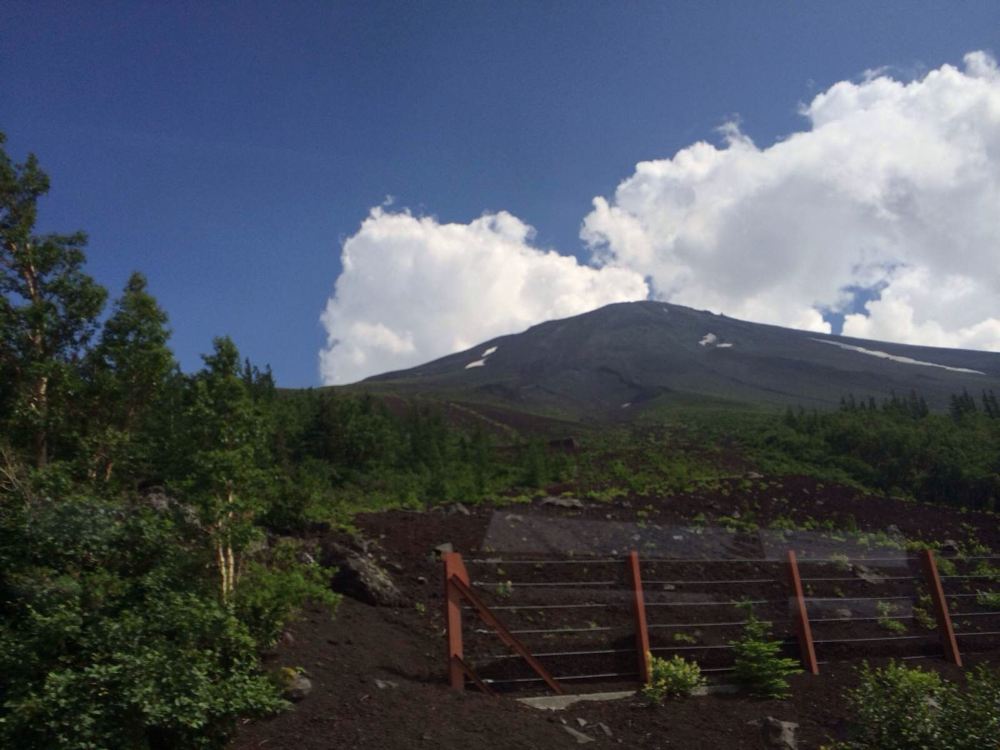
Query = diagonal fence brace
x=505 y=635
x=941 y=614
x=457 y=587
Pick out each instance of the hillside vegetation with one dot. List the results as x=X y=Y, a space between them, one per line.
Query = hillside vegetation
x=158 y=530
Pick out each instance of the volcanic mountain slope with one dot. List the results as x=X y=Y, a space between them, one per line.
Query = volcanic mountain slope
x=639 y=354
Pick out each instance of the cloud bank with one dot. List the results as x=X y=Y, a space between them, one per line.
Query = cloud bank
x=892 y=186
x=413 y=289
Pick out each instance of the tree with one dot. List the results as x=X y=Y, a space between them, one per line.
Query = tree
x=226 y=438
x=128 y=372
x=48 y=309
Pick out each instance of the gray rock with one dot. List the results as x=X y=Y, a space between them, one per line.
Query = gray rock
x=563 y=502
x=580 y=737
x=360 y=577
x=754 y=475
x=298 y=688
x=581 y=722
x=443 y=548
x=950 y=546
x=866 y=574
x=385 y=684
x=459 y=509
x=779 y=734
x=842 y=612
x=606 y=729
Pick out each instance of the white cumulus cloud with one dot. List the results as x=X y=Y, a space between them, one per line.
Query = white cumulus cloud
x=895 y=184
x=890 y=185
x=413 y=289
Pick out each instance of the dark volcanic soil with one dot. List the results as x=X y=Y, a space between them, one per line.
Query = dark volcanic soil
x=404 y=648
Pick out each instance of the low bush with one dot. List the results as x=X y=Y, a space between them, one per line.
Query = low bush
x=671 y=678
x=899 y=708
x=269 y=596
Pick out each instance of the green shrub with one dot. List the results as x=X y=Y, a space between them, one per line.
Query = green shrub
x=971 y=719
x=173 y=672
x=898 y=708
x=269 y=596
x=758 y=665
x=671 y=678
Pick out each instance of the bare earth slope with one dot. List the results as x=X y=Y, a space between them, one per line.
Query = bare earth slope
x=404 y=647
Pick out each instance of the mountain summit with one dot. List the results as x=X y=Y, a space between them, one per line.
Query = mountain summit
x=636 y=354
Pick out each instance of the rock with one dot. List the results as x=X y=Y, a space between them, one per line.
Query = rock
x=754 y=475
x=443 y=548
x=422 y=580
x=779 y=734
x=385 y=684
x=580 y=737
x=950 y=546
x=581 y=722
x=606 y=729
x=459 y=509
x=563 y=502
x=866 y=574
x=360 y=577
x=843 y=613
x=298 y=688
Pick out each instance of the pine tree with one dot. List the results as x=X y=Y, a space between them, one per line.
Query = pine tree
x=48 y=310
x=128 y=372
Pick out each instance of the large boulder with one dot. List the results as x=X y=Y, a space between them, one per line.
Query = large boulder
x=360 y=577
x=778 y=734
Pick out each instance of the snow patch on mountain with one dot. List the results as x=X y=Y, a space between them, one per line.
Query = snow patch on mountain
x=897 y=358
x=711 y=340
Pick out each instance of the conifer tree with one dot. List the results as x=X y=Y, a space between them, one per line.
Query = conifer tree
x=128 y=370
x=48 y=310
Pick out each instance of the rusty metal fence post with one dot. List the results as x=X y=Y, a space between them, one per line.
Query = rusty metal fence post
x=802 y=626
x=454 y=568
x=639 y=612
x=943 y=617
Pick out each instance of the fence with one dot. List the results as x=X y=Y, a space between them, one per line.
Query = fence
x=638 y=607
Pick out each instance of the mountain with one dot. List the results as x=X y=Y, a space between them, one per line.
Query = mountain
x=636 y=355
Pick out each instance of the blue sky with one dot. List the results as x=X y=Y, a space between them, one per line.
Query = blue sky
x=228 y=149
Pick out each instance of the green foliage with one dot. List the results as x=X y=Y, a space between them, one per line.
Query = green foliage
x=127 y=374
x=897 y=448
x=49 y=311
x=270 y=595
x=100 y=604
x=113 y=633
x=898 y=708
x=671 y=678
x=989 y=599
x=758 y=664
x=886 y=621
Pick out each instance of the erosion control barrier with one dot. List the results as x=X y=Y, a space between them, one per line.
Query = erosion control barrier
x=597 y=620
